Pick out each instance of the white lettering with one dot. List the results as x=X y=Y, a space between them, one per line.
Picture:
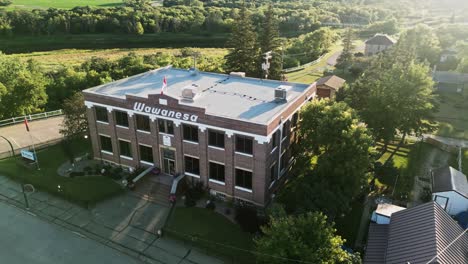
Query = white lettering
x=193 y=118
x=141 y=107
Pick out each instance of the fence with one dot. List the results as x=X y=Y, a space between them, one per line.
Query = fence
x=15 y=120
x=303 y=65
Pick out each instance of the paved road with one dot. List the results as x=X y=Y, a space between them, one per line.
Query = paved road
x=41 y=131
x=28 y=239
x=333 y=59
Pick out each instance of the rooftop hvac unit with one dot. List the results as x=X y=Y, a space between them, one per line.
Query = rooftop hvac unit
x=237 y=74
x=188 y=94
x=280 y=94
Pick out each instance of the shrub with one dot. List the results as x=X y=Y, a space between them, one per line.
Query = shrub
x=5 y=2
x=248 y=219
x=210 y=205
x=189 y=201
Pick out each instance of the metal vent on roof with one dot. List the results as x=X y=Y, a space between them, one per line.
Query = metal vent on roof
x=237 y=74
x=280 y=94
x=188 y=93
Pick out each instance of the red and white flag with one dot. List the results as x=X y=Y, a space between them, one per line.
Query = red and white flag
x=164 y=86
x=26 y=124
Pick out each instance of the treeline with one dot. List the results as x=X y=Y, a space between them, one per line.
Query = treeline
x=26 y=88
x=139 y=17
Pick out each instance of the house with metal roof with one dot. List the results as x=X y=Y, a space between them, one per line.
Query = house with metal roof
x=377 y=44
x=419 y=235
x=450 y=190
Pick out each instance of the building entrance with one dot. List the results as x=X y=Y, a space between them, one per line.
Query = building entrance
x=168 y=161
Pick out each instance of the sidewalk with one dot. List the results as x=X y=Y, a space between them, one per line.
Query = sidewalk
x=127 y=223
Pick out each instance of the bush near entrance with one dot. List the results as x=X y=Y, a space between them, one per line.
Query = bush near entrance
x=83 y=190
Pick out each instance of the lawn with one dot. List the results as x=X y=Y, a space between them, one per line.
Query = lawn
x=452 y=115
x=82 y=190
x=27 y=44
x=74 y=57
x=66 y=4
x=211 y=232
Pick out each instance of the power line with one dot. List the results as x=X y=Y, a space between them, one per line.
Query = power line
x=241 y=249
x=432 y=259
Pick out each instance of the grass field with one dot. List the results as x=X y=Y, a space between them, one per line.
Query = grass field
x=66 y=4
x=73 y=57
x=212 y=232
x=27 y=44
x=82 y=190
x=452 y=115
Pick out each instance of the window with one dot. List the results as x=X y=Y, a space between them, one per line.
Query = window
x=125 y=148
x=285 y=129
x=106 y=143
x=273 y=171
x=121 y=118
x=143 y=123
x=294 y=120
x=283 y=161
x=166 y=126
x=217 y=171
x=192 y=165
x=244 y=179
x=216 y=139
x=274 y=140
x=244 y=144
x=101 y=114
x=146 y=154
x=191 y=133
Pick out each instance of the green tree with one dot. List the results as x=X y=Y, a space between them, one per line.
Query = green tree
x=394 y=96
x=308 y=238
x=332 y=160
x=244 y=53
x=422 y=42
x=270 y=41
x=74 y=122
x=25 y=87
x=346 y=58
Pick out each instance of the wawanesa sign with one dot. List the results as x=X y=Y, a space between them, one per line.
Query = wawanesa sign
x=142 y=107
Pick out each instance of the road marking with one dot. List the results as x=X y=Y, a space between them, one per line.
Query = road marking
x=78 y=234
x=33 y=214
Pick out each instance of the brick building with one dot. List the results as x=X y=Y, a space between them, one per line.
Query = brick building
x=231 y=133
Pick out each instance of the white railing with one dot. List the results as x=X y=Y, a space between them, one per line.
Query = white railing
x=19 y=119
x=300 y=67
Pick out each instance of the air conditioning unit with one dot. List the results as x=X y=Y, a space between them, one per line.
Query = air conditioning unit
x=188 y=94
x=280 y=94
x=237 y=74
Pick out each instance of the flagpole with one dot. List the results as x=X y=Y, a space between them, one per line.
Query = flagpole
x=32 y=142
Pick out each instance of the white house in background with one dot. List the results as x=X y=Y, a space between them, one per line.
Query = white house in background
x=450 y=190
x=378 y=43
x=383 y=213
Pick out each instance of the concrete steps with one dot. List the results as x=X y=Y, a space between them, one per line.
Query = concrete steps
x=153 y=192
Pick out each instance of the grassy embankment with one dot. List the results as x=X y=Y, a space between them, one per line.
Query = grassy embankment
x=211 y=232
x=452 y=115
x=82 y=190
x=65 y=4
x=74 y=57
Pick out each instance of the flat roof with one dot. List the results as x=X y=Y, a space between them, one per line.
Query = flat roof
x=242 y=98
x=387 y=209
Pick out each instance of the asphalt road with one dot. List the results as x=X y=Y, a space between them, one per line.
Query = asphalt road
x=41 y=131
x=25 y=238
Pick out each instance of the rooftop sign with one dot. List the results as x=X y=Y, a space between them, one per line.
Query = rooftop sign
x=142 y=107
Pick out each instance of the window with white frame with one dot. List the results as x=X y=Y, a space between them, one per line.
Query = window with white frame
x=217 y=172
x=192 y=165
x=106 y=143
x=101 y=114
x=143 y=123
x=146 y=153
x=125 y=148
x=166 y=126
x=216 y=138
x=121 y=118
x=244 y=144
x=244 y=179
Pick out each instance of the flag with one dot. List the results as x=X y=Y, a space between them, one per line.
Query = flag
x=26 y=124
x=164 y=85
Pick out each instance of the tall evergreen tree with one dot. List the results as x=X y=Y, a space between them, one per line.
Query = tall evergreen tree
x=270 y=41
x=346 y=58
x=243 y=56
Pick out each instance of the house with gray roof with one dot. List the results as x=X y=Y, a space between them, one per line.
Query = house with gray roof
x=377 y=44
x=450 y=190
x=419 y=235
x=450 y=81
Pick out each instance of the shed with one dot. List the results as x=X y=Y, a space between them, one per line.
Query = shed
x=383 y=213
x=329 y=85
x=450 y=190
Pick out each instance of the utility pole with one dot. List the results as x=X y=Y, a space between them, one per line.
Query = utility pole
x=266 y=64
